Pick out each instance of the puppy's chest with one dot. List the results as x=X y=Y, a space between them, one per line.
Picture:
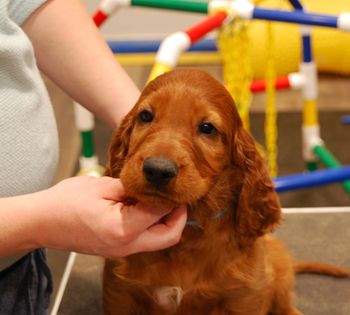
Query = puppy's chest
x=167 y=285
x=176 y=283
x=174 y=274
x=168 y=297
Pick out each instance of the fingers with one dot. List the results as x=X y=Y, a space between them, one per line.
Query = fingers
x=174 y=221
x=143 y=227
x=161 y=235
x=138 y=218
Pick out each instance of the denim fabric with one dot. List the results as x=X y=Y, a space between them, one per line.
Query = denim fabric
x=26 y=286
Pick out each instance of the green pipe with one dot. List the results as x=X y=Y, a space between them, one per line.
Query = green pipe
x=326 y=157
x=180 y=5
x=87 y=139
x=329 y=161
x=311 y=166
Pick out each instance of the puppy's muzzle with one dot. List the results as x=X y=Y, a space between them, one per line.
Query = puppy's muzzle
x=159 y=171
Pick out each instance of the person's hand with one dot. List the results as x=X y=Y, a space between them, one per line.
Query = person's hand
x=86 y=215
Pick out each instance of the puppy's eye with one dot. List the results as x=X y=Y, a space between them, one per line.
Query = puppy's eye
x=146 y=116
x=207 y=128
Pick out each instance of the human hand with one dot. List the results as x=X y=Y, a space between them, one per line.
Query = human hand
x=87 y=215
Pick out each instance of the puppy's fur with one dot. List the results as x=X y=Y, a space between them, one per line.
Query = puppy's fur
x=184 y=143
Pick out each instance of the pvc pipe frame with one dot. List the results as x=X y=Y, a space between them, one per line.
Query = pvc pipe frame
x=152 y=46
x=297 y=16
x=179 y=5
x=245 y=10
x=107 y=8
x=311 y=179
x=172 y=46
x=293 y=80
x=330 y=162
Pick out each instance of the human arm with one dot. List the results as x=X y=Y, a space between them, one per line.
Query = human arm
x=75 y=214
x=71 y=52
x=92 y=221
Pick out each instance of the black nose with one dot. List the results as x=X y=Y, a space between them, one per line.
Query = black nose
x=159 y=171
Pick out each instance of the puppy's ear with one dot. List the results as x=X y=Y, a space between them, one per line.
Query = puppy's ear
x=119 y=146
x=257 y=205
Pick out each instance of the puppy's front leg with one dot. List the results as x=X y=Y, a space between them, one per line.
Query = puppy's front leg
x=117 y=295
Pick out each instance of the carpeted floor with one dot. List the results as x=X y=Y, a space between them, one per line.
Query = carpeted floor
x=316 y=237
x=309 y=236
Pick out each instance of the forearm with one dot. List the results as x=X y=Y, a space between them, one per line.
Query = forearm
x=19 y=224
x=70 y=51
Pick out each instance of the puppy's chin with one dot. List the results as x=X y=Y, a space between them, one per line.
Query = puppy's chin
x=151 y=198
x=157 y=201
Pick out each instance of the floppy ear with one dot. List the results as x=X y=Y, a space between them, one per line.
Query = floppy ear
x=119 y=146
x=257 y=209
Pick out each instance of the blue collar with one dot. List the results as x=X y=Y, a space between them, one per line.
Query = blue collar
x=215 y=216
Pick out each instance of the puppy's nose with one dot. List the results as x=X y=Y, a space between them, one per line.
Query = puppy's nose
x=159 y=171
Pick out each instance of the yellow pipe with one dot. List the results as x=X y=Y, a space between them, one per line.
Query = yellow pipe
x=158 y=69
x=310 y=114
x=148 y=59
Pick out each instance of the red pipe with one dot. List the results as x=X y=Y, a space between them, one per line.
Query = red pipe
x=99 y=17
x=260 y=85
x=204 y=27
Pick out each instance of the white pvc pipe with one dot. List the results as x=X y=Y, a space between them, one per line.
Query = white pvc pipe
x=296 y=80
x=311 y=139
x=309 y=72
x=110 y=6
x=63 y=284
x=316 y=210
x=171 y=48
x=344 y=21
x=84 y=119
x=241 y=8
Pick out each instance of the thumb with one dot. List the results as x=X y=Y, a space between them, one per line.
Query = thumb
x=112 y=188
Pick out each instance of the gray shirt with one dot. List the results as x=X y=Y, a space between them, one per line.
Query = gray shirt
x=28 y=134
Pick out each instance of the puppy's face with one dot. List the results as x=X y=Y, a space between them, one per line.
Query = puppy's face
x=184 y=142
x=178 y=140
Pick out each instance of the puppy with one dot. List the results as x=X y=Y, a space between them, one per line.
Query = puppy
x=184 y=143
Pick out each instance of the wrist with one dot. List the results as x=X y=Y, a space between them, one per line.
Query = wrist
x=20 y=224
x=44 y=223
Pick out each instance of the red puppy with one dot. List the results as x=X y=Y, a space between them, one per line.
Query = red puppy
x=184 y=143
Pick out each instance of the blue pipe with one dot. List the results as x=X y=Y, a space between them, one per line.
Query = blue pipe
x=138 y=46
x=345 y=119
x=307 y=50
x=296 y=16
x=306 y=39
x=296 y=4
x=152 y=46
x=315 y=178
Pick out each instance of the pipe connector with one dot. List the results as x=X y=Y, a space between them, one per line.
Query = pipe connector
x=309 y=72
x=311 y=139
x=171 y=48
x=305 y=30
x=84 y=119
x=296 y=80
x=110 y=6
x=343 y=22
x=241 y=8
